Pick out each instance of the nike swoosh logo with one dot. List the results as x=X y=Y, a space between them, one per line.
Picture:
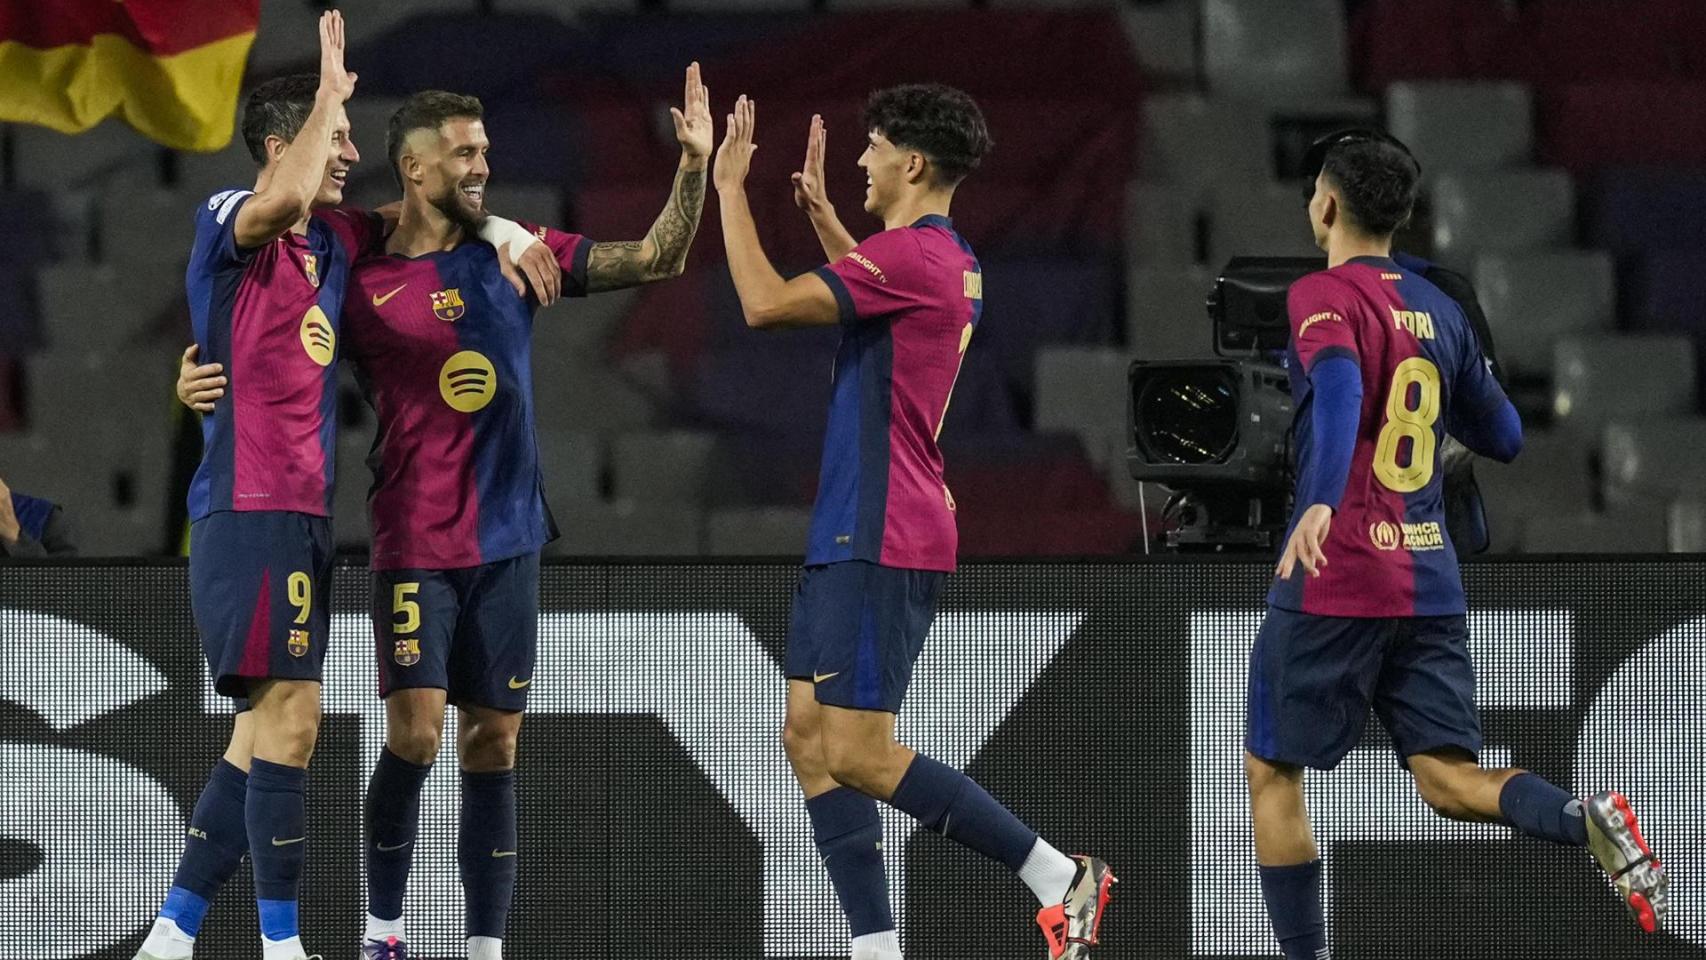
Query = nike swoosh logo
x=503 y=853
x=821 y=677
x=515 y=684
x=285 y=843
x=382 y=848
x=379 y=301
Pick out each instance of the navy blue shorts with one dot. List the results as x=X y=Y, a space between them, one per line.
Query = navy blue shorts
x=260 y=589
x=856 y=630
x=1312 y=680
x=471 y=632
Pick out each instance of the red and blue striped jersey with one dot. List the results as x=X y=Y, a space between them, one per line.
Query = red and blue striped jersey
x=909 y=300
x=271 y=316
x=1423 y=375
x=444 y=349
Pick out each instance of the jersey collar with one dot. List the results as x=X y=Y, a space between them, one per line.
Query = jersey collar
x=933 y=220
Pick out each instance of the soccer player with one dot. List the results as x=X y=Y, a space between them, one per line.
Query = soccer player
x=1367 y=605
x=883 y=536
x=458 y=511
x=266 y=286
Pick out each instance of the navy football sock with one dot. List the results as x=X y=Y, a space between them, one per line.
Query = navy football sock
x=277 y=813
x=946 y=801
x=217 y=840
x=1534 y=807
x=393 y=812
x=486 y=852
x=1293 y=896
x=850 y=839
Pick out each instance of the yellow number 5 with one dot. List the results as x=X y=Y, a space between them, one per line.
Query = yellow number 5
x=1417 y=423
x=409 y=609
x=301 y=592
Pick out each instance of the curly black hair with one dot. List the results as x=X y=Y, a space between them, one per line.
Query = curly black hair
x=277 y=108
x=426 y=110
x=1378 y=180
x=938 y=121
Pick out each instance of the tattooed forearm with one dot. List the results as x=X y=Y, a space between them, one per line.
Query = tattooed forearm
x=663 y=253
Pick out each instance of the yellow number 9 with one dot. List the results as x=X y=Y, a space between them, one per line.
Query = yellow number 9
x=1416 y=423
x=301 y=592
x=409 y=609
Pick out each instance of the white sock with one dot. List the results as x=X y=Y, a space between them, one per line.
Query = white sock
x=485 y=948
x=290 y=949
x=1048 y=873
x=877 y=946
x=378 y=929
x=168 y=942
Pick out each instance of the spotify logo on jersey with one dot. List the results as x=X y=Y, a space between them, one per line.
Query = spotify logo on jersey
x=467 y=381
x=318 y=338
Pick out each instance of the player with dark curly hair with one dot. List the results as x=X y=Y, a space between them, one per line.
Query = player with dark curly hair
x=883 y=535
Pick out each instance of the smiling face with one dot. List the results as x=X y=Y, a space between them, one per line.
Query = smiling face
x=888 y=169
x=340 y=156
x=448 y=165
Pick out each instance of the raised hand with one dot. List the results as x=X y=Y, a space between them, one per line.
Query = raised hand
x=734 y=157
x=334 y=79
x=809 y=190
x=693 y=120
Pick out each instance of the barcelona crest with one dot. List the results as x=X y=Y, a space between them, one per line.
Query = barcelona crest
x=447 y=305
x=311 y=267
x=407 y=651
x=297 y=643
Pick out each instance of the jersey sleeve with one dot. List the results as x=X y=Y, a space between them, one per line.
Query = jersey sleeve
x=1322 y=311
x=571 y=251
x=876 y=278
x=362 y=233
x=215 y=246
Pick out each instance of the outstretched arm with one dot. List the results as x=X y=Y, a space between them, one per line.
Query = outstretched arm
x=766 y=299
x=811 y=195
x=663 y=252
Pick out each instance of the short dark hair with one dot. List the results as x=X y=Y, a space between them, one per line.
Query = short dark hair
x=1378 y=180
x=426 y=110
x=938 y=121
x=277 y=108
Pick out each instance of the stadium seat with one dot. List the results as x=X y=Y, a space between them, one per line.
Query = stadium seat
x=1040 y=301
x=574 y=391
x=50 y=159
x=776 y=384
x=1163 y=37
x=1550 y=478
x=758 y=532
x=201 y=175
x=1480 y=211
x=576 y=328
x=1653 y=460
x=131 y=225
x=1393 y=40
x=1686 y=522
x=627 y=530
x=1587 y=127
x=1082 y=391
x=1192 y=142
x=1166 y=313
x=1161 y=224
x=1665 y=290
x=671 y=467
x=1622 y=531
x=1635 y=210
x=350 y=529
x=1454 y=126
x=572 y=464
x=1258 y=219
x=369 y=123
x=101 y=308
x=983 y=400
x=1598 y=379
x=1264 y=49
x=1532 y=299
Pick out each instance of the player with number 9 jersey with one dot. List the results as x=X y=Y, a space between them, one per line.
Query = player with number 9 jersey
x=1423 y=376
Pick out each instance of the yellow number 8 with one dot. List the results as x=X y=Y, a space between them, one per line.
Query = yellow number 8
x=1417 y=424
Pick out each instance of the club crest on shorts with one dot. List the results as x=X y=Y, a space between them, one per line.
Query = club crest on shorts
x=311 y=267
x=407 y=651
x=447 y=304
x=297 y=643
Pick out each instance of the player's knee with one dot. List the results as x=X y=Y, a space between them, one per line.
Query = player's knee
x=855 y=764
x=1440 y=792
x=489 y=747
x=800 y=743
x=417 y=743
x=1264 y=775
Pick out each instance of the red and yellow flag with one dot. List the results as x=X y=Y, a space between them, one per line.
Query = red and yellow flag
x=170 y=68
